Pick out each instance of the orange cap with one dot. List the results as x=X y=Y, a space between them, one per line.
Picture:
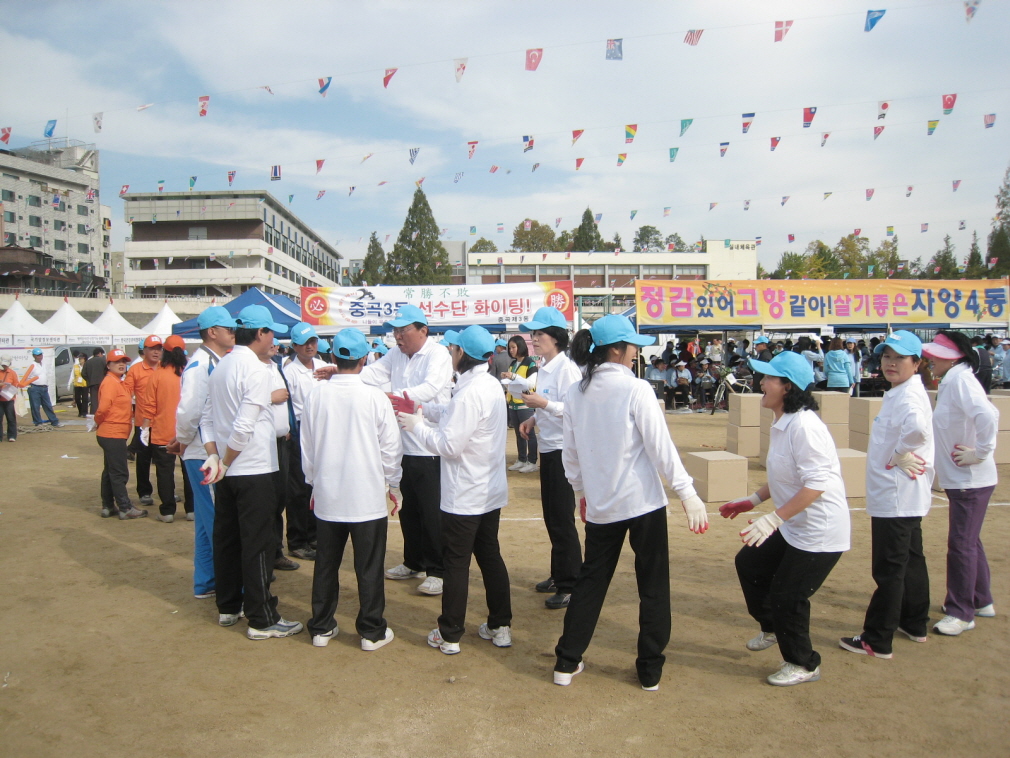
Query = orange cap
x=175 y=341
x=153 y=341
x=117 y=355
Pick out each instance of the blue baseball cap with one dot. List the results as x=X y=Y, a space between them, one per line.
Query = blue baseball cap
x=902 y=342
x=302 y=333
x=350 y=345
x=216 y=315
x=788 y=365
x=379 y=347
x=476 y=341
x=762 y=340
x=324 y=346
x=451 y=337
x=544 y=317
x=408 y=314
x=612 y=329
x=258 y=317
x=500 y=343
x=277 y=342
x=37 y=351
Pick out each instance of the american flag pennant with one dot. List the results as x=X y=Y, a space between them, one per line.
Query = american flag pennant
x=712 y=205
x=824 y=138
x=527 y=143
x=748 y=119
x=882 y=107
x=970 y=7
x=615 y=49
x=324 y=84
x=455 y=179
x=781 y=29
x=957 y=183
x=124 y=189
x=808 y=117
x=931 y=126
x=535 y=167
x=908 y=192
x=775 y=143
x=350 y=191
x=557 y=222
x=319 y=195
x=599 y=217
x=869 y=194
x=578 y=163
x=723 y=147
x=989 y=119
x=785 y=199
x=629 y=133
x=948 y=103
x=494 y=169
x=685 y=124
x=621 y=157
x=275 y=173
x=420 y=181
x=923 y=227
x=204 y=102
x=872 y=17
x=144 y=107
x=5 y=135
x=387 y=76
x=231 y=177
x=527 y=225
x=459 y=66
x=267 y=88
x=533 y=56
x=666 y=211
x=877 y=131
x=792 y=237
x=319 y=164
x=576 y=133
x=472 y=146
x=693 y=36
x=413 y=154
x=961 y=225
x=746 y=205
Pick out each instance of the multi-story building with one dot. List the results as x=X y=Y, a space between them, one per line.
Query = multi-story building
x=49 y=195
x=221 y=243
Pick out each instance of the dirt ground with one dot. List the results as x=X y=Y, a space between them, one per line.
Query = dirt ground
x=106 y=652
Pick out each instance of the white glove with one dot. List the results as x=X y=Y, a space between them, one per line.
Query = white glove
x=90 y=424
x=222 y=469
x=409 y=420
x=965 y=456
x=697 y=517
x=397 y=497
x=910 y=463
x=209 y=469
x=761 y=529
x=580 y=501
x=145 y=436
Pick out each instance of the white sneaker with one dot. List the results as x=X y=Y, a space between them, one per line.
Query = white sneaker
x=763 y=641
x=913 y=637
x=563 y=680
x=517 y=465
x=322 y=640
x=952 y=626
x=528 y=468
x=500 y=637
x=986 y=612
x=431 y=586
x=369 y=645
x=282 y=628
x=790 y=674
x=653 y=688
x=402 y=572
x=435 y=640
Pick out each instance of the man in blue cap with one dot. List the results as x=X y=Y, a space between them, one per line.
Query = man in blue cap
x=37 y=381
x=241 y=432
x=298 y=373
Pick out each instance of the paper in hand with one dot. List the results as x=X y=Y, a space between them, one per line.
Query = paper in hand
x=517 y=385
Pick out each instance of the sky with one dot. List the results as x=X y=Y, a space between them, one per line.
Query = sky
x=69 y=60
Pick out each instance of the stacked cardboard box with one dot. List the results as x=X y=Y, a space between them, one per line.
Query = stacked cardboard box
x=834 y=412
x=862 y=412
x=718 y=476
x=743 y=432
x=1002 y=403
x=853 y=471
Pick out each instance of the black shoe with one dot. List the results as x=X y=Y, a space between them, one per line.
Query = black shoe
x=131 y=456
x=547 y=585
x=559 y=600
x=108 y=512
x=285 y=564
x=305 y=553
x=147 y=500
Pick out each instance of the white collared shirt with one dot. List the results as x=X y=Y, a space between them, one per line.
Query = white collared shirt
x=553 y=382
x=351 y=449
x=964 y=416
x=240 y=413
x=426 y=377
x=470 y=438
x=300 y=382
x=904 y=425
x=279 y=411
x=616 y=444
x=193 y=403
x=39 y=371
x=801 y=453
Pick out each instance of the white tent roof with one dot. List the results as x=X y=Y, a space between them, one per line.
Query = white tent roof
x=71 y=323
x=162 y=323
x=18 y=321
x=112 y=322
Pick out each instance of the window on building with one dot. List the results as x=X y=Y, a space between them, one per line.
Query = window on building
x=9 y=217
x=564 y=271
x=657 y=270
x=34 y=221
x=82 y=210
x=198 y=232
x=35 y=242
x=59 y=225
x=583 y=270
x=82 y=229
x=699 y=272
x=10 y=238
x=198 y=263
x=623 y=270
x=61 y=207
x=8 y=196
x=520 y=270
x=82 y=248
x=474 y=271
x=35 y=201
x=59 y=245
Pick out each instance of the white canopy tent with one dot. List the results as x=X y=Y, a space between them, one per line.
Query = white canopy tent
x=162 y=323
x=18 y=321
x=112 y=322
x=67 y=321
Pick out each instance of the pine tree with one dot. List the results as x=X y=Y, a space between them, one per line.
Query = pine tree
x=976 y=266
x=587 y=237
x=944 y=260
x=999 y=248
x=852 y=253
x=648 y=238
x=483 y=245
x=1002 y=218
x=618 y=244
x=418 y=256
x=373 y=265
x=791 y=266
x=822 y=263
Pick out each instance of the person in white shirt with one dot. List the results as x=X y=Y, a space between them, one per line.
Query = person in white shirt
x=241 y=426
x=349 y=482
x=37 y=381
x=789 y=552
x=965 y=426
x=217 y=331
x=469 y=435
x=615 y=439
x=899 y=477
x=680 y=381
x=556 y=374
x=284 y=419
x=714 y=350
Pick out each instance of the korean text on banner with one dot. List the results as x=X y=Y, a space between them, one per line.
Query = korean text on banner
x=839 y=302
x=443 y=304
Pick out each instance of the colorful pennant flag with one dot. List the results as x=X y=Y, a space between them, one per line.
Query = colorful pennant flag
x=993 y=262
x=792 y=237
x=923 y=227
x=781 y=29
x=908 y=192
x=90 y=196
x=599 y=217
x=869 y=194
x=455 y=179
x=124 y=189
x=948 y=103
x=872 y=17
x=989 y=119
x=324 y=84
x=960 y=225
x=712 y=205
x=96 y=121
x=50 y=128
x=381 y=183
x=161 y=185
x=673 y=154
x=746 y=205
x=808 y=117
x=527 y=225
x=291 y=199
x=418 y=183
x=387 y=76
x=56 y=200
x=533 y=57
x=615 y=50
x=319 y=195
x=970 y=7
x=931 y=126
x=578 y=163
x=629 y=133
x=472 y=146
x=785 y=199
x=527 y=143
x=494 y=169
x=473 y=230
x=144 y=107
x=824 y=138
x=856 y=232
x=775 y=143
x=267 y=88
x=936 y=269
x=633 y=214
x=5 y=134
x=413 y=154
x=901 y=266
x=748 y=119
x=501 y=228
x=576 y=133
x=367 y=157
x=535 y=167
x=757 y=241
x=877 y=131
x=869 y=269
x=723 y=147
x=666 y=211
x=957 y=183
x=459 y=66
x=204 y=103
x=621 y=157
x=231 y=177
x=890 y=231
x=275 y=173
x=693 y=36
x=827 y=195
x=685 y=124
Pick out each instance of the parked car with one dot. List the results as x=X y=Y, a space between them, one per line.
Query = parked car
x=65 y=364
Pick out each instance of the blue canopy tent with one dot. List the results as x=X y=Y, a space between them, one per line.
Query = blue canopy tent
x=283 y=309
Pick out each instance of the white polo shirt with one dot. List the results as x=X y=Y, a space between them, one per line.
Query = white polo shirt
x=300 y=382
x=553 y=380
x=279 y=411
x=349 y=479
x=801 y=453
x=38 y=370
x=904 y=425
x=964 y=416
x=616 y=444
x=470 y=438
x=193 y=403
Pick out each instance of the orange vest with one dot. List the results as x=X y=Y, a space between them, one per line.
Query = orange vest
x=161 y=400
x=115 y=411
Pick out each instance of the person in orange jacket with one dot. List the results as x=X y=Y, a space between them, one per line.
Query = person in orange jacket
x=114 y=418
x=137 y=377
x=8 y=377
x=158 y=406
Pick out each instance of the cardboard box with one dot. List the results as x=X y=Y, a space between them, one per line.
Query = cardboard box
x=853 y=471
x=745 y=409
x=862 y=412
x=743 y=440
x=718 y=476
x=999 y=393
x=859 y=441
x=767 y=419
x=1002 y=452
x=840 y=434
x=1002 y=403
x=834 y=407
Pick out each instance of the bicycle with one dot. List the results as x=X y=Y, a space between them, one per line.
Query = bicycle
x=730 y=383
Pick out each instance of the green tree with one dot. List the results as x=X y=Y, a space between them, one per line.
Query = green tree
x=618 y=243
x=1002 y=218
x=885 y=261
x=679 y=246
x=587 y=237
x=822 y=262
x=539 y=238
x=372 y=267
x=564 y=241
x=418 y=256
x=945 y=260
x=976 y=266
x=999 y=248
x=852 y=252
x=483 y=246
x=648 y=238
x=791 y=266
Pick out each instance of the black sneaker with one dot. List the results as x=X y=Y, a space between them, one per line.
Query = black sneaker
x=558 y=600
x=860 y=646
x=305 y=553
x=147 y=500
x=285 y=564
x=547 y=585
